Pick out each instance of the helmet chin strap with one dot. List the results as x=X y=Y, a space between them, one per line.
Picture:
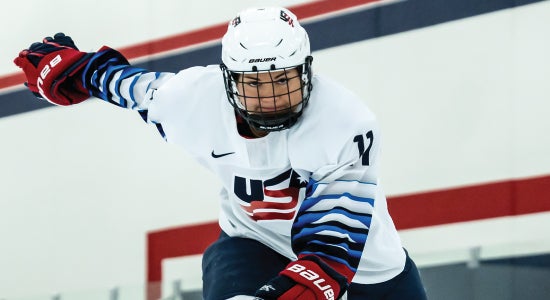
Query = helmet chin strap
x=258 y=132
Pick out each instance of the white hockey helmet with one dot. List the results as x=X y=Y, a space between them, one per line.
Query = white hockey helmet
x=262 y=40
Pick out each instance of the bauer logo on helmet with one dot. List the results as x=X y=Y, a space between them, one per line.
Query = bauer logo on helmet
x=265 y=59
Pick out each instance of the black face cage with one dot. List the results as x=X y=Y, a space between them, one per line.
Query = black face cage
x=275 y=119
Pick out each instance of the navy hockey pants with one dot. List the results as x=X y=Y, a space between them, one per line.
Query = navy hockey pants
x=239 y=266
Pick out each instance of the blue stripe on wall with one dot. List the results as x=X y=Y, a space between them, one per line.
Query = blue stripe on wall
x=326 y=33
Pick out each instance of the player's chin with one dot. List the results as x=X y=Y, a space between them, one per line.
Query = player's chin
x=271 y=111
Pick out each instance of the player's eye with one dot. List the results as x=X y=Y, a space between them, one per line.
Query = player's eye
x=252 y=83
x=282 y=81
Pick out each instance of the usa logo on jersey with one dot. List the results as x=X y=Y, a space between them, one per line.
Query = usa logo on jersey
x=272 y=199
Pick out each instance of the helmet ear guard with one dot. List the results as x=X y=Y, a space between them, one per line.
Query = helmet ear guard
x=307 y=75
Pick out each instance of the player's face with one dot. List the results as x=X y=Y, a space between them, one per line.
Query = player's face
x=270 y=92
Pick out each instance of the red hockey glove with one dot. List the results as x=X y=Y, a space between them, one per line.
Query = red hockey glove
x=51 y=67
x=308 y=278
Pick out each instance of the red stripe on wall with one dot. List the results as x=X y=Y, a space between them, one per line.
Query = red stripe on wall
x=507 y=198
x=11 y=80
x=531 y=195
x=175 y=242
x=499 y=199
x=216 y=32
x=206 y=34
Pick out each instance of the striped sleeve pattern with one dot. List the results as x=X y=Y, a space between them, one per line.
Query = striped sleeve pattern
x=110 y=77
x=333 y=222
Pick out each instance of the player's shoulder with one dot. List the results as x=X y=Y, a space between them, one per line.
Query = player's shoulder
x=334 y=107
x=194 y=82
x=188 y=92
x=198 y=75
x=330 y=125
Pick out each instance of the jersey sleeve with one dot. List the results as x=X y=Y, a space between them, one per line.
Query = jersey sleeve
x=334 y=222
x=110 y=77
x=335 y=218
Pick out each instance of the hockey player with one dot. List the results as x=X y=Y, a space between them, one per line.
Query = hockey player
x=303 y=214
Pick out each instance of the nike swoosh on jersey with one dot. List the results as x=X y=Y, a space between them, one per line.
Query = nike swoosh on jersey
x=214 y=155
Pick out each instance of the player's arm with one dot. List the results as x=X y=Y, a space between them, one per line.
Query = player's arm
x=61 y=74
x=328 y=237
x=332 y=225
x=334 y=220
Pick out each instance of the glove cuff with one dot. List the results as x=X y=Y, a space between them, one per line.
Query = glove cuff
x=312 y=272
x=336 y=266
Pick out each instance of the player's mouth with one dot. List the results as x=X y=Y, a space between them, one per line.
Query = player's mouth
x=268 y=109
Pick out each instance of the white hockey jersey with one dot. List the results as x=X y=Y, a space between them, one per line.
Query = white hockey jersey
x=310 y=189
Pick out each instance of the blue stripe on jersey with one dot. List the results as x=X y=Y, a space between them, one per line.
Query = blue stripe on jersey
x=326 y=224
x=132 y=97
x=161 y=130
x=102 y=87
x=307 y=218
x=330 y=257
x=110 y=72
x=312 y=185
x=157 y=75
x=96 y=92
x=127 y=72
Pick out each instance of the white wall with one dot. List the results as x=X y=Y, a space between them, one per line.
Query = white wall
x=468 y=99
x=460 y=103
